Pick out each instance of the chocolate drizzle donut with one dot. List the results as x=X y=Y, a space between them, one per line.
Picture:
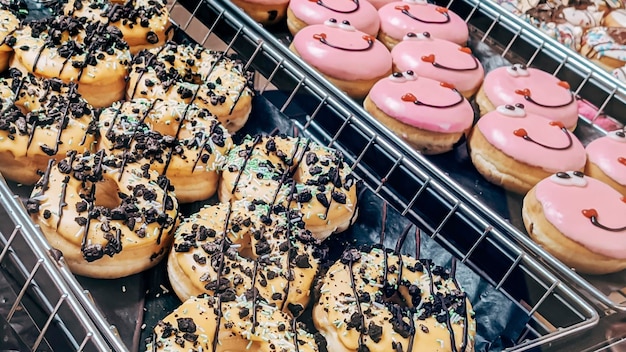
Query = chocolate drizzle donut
x=255 y=253
x=9 y=23
x=40 y=119
x=294 y=172
x=90 y=53
x=176 y=139
x=193 y=74
x=144 y=24
x=107 y=219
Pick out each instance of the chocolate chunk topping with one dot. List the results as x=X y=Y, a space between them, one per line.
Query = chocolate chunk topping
x=355 y=322
x=375 y=332
x=295 y=309
x=243 y=312
x=321 y=197
x=186 y=325
x=302 y=261
x=350 y=255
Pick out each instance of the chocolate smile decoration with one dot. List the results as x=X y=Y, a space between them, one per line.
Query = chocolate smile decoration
x=526 y=93
x=523 y=134
x=432 y=60
x=442 y=10
x=592 y=215
x=410 y=97
x=356 y=8
x=368 y=38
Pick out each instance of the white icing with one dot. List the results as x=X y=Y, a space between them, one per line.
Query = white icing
x=331 y=23
x=417 y=36
x=346 y=26
x=400 y=79
x=517 y=70
x=517 y=111
x=409 y=76
x=614 y=136
x=416 y=2
x=572 y=180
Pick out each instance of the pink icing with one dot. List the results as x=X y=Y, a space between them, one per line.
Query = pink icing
x=365 y=18
x=563 y=207
x=380 y=3
x=500 y=87
x=606 y=153
x=416 y=55
x=368 y=64
x=387 y=95
x=396 y=24
x=499 y=130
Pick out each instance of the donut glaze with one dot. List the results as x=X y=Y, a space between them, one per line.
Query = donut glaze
x=400 y=17
x=539 y=92
x=609 y=154
x=438 y=59
x=360 y=13
x=569 y=206
x=533 y=139
x=606 y=41
x=440 y=108
x=336 y=51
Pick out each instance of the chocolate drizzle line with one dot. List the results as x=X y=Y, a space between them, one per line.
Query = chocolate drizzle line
x=356 y=297
x=219 y=319
x=369 y=39
x=355 y=9
x=165 y=188
x=530 y=99
x=92 y=192
x=289 y=248
x=464 y=303
x=443 y=67
x=594 y=220
x=523 y=134
x=151 y=61
x=405 y=11
x=382 y=242
x=409 y=97
x=257 y=140
x=254 y=295
x=201 y=147
x=219 y=273
x=287 y=171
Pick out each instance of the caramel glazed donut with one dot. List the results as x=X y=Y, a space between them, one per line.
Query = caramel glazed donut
x=110 y=217
x=91 y=54
x=193 y=74
x=144 y=24
x=297 y=173
x=179 y=140
x=260 y=260
x=40 y=119
x=377 y=300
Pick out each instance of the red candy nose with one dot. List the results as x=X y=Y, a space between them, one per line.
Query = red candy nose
x=465 y=50
x=441 y=9
x=590 y=213
x=368 y=38
x=525 y=92
x=622 y=160
x=559 y=124
x=563 y=84
x=319 y=36
x=409 y=97
x=403 y=7
x=430 y=58
x=624 y=199
x=520 y=132
x=447 y=85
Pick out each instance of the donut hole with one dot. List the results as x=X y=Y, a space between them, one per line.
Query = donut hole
x=107 y=194
x=400 y=296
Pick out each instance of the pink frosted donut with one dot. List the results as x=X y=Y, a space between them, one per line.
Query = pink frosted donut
x=430 y=115
x=380 y=3
x=349 y=58
x=606 y=160
x=439 y=59
x=516 y=149
x=359 y=13
x=580 y=220
x=401 y=17
x=540 y=93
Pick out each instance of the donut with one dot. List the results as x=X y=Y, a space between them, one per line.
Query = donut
x=579 y=220
x=440 y=60
x=8 y=25
x=615 y=18
x=92 y=54
x=41 y=119
x=297 y=173
x=606 y=160
x=110 y=217
x=565 y=33
x=179 y=140
x=417 y=16
x=334 y=47
x=243 y=245
x=431 y=116
x=539 y=92
x=193 y=74
x=606 y=46
x=230 y=322
x=266 y=12
x=360 y=13
x=378 y=300
x=583 y=14
x=144 y=24
x=516 y=149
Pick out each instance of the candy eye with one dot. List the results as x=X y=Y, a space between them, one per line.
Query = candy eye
x=517 y=70
x=346 y=26
x=416 y=2
x=409 y=75
x=331 y=23
x=618 y=135
x=416 y=36
x=569 y=178
x=516 y=110
x=398 y=77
